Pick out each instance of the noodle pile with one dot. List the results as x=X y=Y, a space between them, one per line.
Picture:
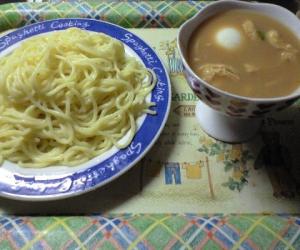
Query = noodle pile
x=67 y=97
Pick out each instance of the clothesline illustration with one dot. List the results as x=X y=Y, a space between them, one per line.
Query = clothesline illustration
x=172 y=171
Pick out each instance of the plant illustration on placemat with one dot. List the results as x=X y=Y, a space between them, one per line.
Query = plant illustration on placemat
x=173 y=59
x=234 y=183
x=234 y=158
x=236 y=161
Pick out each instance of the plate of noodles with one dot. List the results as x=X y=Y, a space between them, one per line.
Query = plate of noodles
x=81 y=102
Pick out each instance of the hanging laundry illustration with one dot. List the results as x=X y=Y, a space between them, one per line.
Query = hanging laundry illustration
x=193 y=169
x=172 y=173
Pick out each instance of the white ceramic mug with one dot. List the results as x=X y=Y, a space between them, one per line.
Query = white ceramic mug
x=223 y=115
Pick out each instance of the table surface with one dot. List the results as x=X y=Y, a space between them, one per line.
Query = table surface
x=195 y=174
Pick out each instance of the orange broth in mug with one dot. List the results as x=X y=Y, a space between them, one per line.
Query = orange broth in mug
x=247 y=54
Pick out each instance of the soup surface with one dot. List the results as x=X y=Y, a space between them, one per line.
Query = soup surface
x=246 y=53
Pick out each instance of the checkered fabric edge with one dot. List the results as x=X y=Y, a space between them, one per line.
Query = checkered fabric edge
x=151 y=231
x=133 y=14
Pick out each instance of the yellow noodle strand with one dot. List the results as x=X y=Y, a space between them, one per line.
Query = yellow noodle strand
x=69 y=96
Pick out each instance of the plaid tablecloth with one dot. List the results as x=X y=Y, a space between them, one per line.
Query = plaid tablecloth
x=131 y=14
x=232 y=207
x=151 y=231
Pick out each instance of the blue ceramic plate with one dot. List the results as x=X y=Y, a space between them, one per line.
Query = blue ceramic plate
x=56 y=182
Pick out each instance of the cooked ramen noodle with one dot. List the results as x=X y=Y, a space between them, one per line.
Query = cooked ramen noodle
x=69 y=96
